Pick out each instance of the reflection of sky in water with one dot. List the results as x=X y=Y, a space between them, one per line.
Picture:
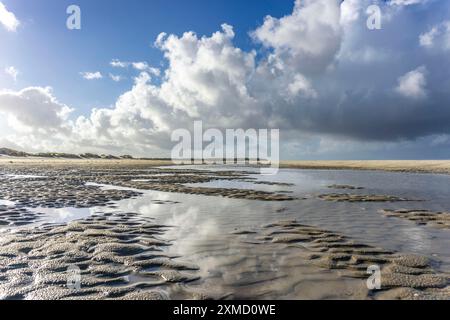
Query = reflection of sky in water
x=62 y=215
x=358 y=220
x=107 y=187
x=24 y=176
x=206 y=167
x=202 y=225
x=7 y=203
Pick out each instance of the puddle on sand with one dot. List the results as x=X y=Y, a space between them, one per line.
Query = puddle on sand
x=63 y=215
x=109 y=187
x=7 y=203
x=25 y=176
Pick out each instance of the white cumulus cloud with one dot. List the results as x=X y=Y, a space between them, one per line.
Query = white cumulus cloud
x=34 y=108
x=116 y=63
x=12 y=72
x=137 y=65
x=350 y=11
x=406 y=2
x=413 y=83
x=309 y=37
x=115 y=77
x=437 y=37
x=91 y=75
x=8 y=19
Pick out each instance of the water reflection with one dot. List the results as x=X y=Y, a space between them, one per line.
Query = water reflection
x=7 y=203
x=360 y=221
x=63 y=215
x=25 y=176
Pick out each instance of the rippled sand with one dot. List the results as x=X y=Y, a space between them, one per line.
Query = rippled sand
x=136 y=231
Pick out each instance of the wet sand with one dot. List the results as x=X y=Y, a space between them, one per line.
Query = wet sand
x=122 y=254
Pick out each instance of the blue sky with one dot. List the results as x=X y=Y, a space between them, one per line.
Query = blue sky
x=311 y=68
x=48 y=54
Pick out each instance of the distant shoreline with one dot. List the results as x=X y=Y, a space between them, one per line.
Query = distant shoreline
x=407 y=166
x=43 y=161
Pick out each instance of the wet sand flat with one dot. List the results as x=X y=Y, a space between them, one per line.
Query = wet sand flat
x=140 y=229
x=424 y=166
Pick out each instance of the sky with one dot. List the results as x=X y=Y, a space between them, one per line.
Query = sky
x=138 y=70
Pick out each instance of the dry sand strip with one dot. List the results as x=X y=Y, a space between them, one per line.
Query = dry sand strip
x=414 y=166
x=95 y=163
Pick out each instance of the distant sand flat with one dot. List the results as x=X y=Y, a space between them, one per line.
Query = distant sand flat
x=424 y=166
x=419 y=166
x=37 y=161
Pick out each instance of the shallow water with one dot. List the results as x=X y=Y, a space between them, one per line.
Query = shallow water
x=25 y=176
x=6 y=203
x=361 y=221
x=204 y=228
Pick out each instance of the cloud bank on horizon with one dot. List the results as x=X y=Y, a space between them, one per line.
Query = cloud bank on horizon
x=333 y=87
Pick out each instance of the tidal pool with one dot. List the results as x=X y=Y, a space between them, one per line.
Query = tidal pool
x=360 y=220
